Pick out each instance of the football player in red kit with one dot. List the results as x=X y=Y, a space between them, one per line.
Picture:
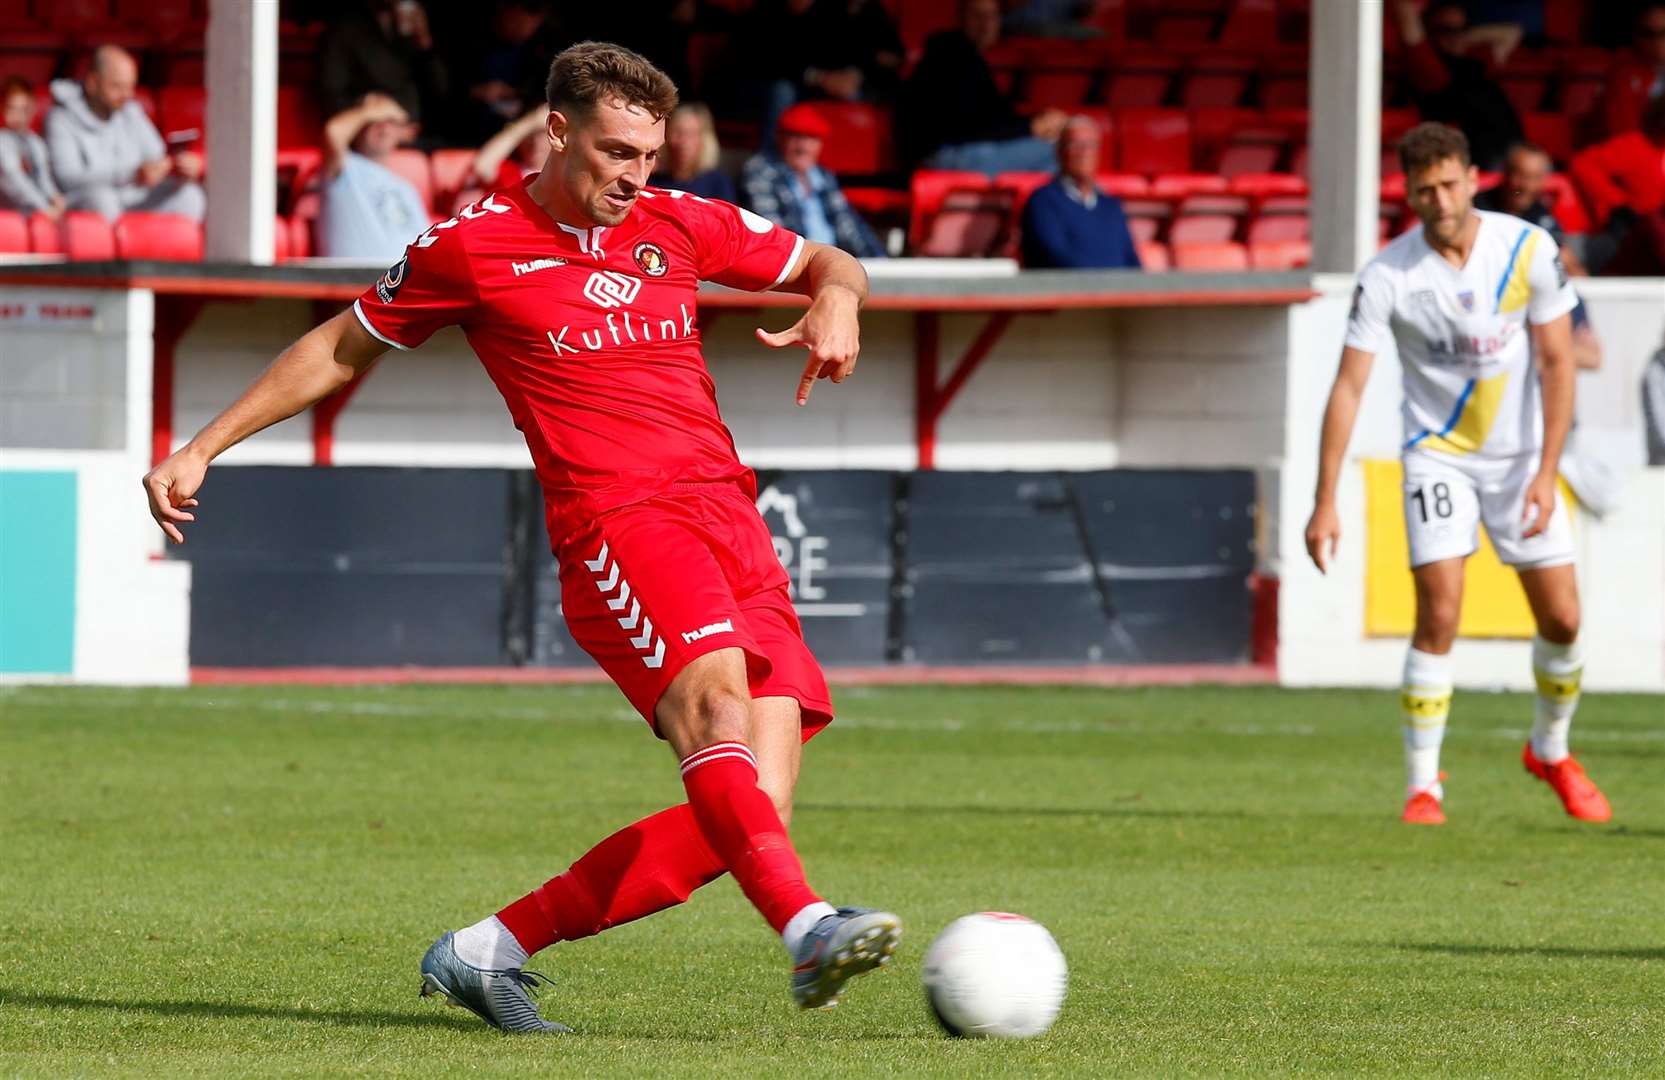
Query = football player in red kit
x=577 y=292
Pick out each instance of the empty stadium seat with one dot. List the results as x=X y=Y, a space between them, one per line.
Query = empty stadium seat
x=169 y=237
x=1217 y=82
x=1280 y=254
x=1221 y=256
x=1239 y=158
x=87 y=236
x=1144 y=230
x=298 y=121
x=1177 y=186
x=1152 y=141
x=300 y=238
x=1190 y=229
x=452 y=170
x=1022 y=184
x=969 y=224
x=74 y=14
x=14 y=233
x=1183 y=28
x=1153 y=256
x=1056 y=88
x=860 y=142
x=929 y=189
x=1140 y=81
x=1262 y=185
x=1552 y=131
x=1122 y=185
x=46 y=237
x=181 y=109
x=1251 y=24
x=282 y=239
x=1276 y=228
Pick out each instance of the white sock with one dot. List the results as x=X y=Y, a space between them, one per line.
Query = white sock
x=1560 y=673
x=803 y=922
x=1424 y=705
x=488 y=945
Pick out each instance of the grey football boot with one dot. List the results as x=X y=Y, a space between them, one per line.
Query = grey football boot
x=837 y=949
x=498 y=997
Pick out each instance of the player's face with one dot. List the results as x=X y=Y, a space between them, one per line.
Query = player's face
x=1443 y=197
x=606 y=157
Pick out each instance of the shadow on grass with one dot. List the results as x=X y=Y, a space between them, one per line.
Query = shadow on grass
x=226 y=1010
x=1560 y=952
x=1023 y=811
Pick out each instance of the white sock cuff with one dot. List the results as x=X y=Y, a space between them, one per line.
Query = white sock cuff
x=1547 y=656
x=803 y=922
x=718 y=752
x=1427 y=671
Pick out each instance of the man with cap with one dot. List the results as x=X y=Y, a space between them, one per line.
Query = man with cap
x=789 y=187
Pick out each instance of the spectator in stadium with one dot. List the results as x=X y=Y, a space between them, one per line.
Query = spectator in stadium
x=1623 y=181
x=1052 y=18
x=953 y=116
x=368 y=211
x=1070 y=222
x=789 y=188
x=690 y=155
x=803 y=50
x=506 y=66
x=1451 y=85
x=1638 y=79
x=512 y=154
x=1521 y=194
x=385 y=46
x=25 y=169
x=106 y=154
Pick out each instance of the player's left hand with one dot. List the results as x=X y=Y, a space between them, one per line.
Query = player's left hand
x=831 y=333
x=1539 y=505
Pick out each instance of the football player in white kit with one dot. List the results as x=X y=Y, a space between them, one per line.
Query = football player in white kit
x=1472 y=299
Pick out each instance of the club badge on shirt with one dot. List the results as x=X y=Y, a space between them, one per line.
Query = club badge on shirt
x=1466 y=298
x=388 y=287
x=650 y=259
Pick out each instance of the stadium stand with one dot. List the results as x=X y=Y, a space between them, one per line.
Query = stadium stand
x=1193 y=97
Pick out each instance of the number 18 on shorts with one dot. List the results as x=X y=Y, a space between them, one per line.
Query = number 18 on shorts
x=1446 y=500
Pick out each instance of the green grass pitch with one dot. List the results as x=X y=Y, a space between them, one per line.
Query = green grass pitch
x=218 y=882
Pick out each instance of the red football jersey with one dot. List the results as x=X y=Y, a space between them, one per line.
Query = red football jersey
x=589 y=334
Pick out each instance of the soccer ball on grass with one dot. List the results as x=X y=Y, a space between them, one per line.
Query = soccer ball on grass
x=995 y=975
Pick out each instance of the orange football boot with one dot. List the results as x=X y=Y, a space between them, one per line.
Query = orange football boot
x=1423 y=808
x=1578 y=792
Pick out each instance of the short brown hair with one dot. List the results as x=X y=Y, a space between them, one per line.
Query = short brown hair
x=1429 y=144
x=591 y=72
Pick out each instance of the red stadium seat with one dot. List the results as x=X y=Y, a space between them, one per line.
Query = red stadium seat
x=1153 y=256
x=1144 y=230
x=1239 y=158
x=970 y=224
x=181 y=109
x=282 y=239
x=46 y=237
x=1183 y=29
x=1393 y=188
x=70 y=14
x=1140 y=80
x=1300 y=164
x=1054 y=89
x=1122 y=185
x=298 y=121
x=452 y=171
x=930 y=188
x=1581 y=96
x=87 y=236
x=860 y=142
x=37 y=67
x=1222 y=256
x=169 y=237
x=1552 y=131
x=1202 y=229
x=1525 y=91
x=878 y=201
x=1215 y=89
x=1260 y=185
x=300 y=238
x=1280 y=254
x=1022 y=185
x=1175 y=186
x=14 y=233
x=1153 y=141
x=1270 y=228
x=1252 y=24
x=919 y=19
x=413 y=166
x=159 y=14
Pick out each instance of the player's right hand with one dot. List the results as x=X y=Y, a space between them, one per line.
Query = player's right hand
x=171 y=488
x=1323 y=536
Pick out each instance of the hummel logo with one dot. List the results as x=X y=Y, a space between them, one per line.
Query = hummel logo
x=724 y=627
x=536 y=264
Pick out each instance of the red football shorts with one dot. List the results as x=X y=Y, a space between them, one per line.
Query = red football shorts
x=651 y=586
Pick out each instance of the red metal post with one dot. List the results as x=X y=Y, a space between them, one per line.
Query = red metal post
x=174 y=316
x=927 y=326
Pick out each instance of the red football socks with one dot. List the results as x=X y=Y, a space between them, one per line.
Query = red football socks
x=649 y=866
x=740 y=823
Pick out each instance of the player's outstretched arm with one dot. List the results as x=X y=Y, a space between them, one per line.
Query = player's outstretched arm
x=324 y=360
x=1324 y=528
x=1558 y=375
x=837 y=286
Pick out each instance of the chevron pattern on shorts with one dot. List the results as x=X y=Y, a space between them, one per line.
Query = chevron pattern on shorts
x=608 y=578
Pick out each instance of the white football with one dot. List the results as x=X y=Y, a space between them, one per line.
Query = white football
x=995 y=975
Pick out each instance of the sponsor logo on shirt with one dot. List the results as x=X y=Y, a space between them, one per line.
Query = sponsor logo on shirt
x=609 y=289
x=1426 y=298
x=724 y=627
x=388 y=287
x=650 y=259
x=623 y=327
x=536 y=264
x=1468 y=348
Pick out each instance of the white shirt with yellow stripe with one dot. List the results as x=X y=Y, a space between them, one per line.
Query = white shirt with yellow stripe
x=1465 y=349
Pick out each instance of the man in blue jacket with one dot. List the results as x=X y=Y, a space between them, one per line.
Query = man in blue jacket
x=1070 y=222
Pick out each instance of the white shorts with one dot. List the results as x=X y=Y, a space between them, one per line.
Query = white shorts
x=1447 y=498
